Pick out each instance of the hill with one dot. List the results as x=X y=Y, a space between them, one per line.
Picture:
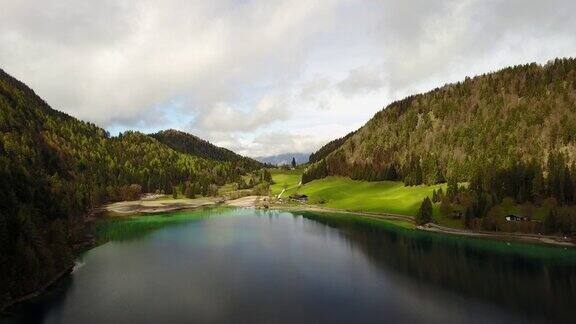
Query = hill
x=509 y=134
x=284 y=159
x=55 y=168
x=329 y=148
x=517 y=114
x=190 y=144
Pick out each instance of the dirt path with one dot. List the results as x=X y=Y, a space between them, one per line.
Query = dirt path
x=280 y=195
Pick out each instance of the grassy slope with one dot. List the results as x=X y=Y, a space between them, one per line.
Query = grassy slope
x=346 y=194
x=383 y=196
x=284 y=178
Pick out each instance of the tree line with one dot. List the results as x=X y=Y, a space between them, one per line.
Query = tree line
x=521 y=188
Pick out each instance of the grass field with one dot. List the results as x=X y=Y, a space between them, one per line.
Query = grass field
x=284 y=179
x=383 y=196
x=346 y=194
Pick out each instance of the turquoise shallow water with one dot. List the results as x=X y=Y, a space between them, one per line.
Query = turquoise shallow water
x=225 y=265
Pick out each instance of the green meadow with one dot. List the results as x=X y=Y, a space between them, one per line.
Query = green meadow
x=284 y=179
x=391 y=197
x=382 y=196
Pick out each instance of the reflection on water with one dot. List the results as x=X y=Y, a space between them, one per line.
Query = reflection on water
x=530 y=279
x=224 y=265
x=133 y=228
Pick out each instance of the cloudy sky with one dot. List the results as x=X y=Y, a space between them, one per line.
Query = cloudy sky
x=264 y=77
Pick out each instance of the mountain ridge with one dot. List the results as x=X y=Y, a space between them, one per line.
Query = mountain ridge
x=329 y=147
x=191 y=144
x=514 y=114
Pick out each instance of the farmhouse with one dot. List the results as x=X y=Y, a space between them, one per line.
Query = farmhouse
x=516 y=218
x=299 y=198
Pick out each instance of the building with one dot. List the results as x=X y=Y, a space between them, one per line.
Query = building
x=516 y=218
x=299 y=198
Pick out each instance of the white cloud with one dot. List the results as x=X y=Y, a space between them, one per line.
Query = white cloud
x=312 y=89
x=273 y=143
x=113 y=61
x=242 y=72
x=360 y=81
x=225 y=118
x=317 y=92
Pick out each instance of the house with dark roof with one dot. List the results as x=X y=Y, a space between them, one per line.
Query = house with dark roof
x=299 y=198
x=516 y=218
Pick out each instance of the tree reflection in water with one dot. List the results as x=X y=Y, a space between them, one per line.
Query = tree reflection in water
x=530 y=279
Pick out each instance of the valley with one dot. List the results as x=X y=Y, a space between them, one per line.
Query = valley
x=317 y=161
x=64 y=179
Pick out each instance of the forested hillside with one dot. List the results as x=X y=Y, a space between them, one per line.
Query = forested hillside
x=190 y=144
x=515 y=115
x=329 y=148
x=54 y=168
x=510 y=133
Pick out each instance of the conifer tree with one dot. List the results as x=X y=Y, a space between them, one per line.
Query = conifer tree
x=425 y=212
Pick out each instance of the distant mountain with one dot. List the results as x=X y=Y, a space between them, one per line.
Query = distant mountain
x=193 y=145
x=284 y=159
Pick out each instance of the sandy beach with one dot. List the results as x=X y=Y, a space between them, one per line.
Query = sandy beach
x=149 y=206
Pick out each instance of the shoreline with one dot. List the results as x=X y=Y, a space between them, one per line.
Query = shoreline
x=37 y=292
x=502 y=236
x=144 y=206
x=265 y=202
x=248 y=201
x=557 y=241
x=153 y=206
x=163 y=205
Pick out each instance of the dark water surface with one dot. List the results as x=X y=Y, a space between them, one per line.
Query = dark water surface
x=228 y=265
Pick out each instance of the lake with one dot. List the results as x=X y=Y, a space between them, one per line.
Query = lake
x=228 y=265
